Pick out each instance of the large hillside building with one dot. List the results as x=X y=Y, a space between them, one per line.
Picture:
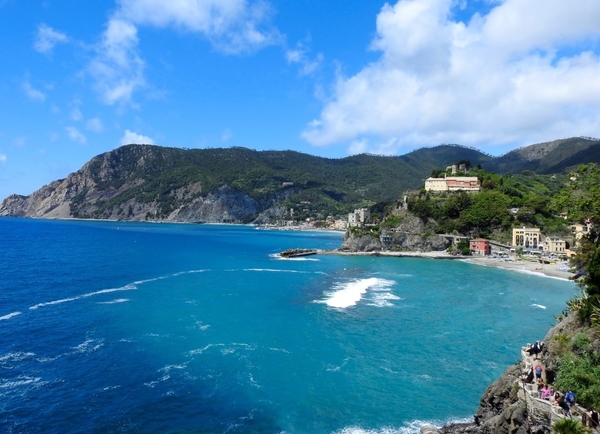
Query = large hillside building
x=528 y=238
x=453 y=183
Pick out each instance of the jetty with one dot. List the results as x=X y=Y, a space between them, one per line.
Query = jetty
x=292 y=253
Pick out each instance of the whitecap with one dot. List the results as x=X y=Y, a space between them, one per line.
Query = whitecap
x=118 y=300
x=16 y=357
x=22 y=381
x=88 y=346
x=538 y=306
x=412 y=427
x=9 y=316
x=350 y=293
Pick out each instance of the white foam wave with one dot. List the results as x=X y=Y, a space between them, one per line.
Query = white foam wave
x=89 y=346
x=539 y=306
x=413 y=427
x=118 y=300
x=273 y=270
x=350 y=293
x=9 y=316
x=16 y=357
x=22 y=381
x=129 y=287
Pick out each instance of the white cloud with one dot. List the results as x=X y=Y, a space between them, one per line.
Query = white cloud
x=3 y=158
x=47 y=38
x=75 y=135
x=299 y=56
x=117 y=67
x=134 y=138
x=515 y=76
x=232 y=26
x=94 y=125
x=33 y=93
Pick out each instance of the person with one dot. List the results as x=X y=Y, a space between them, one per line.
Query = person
x=562 y=403
x=545 y=392
x=535 y=349
x=538 y=374
x=570 y=398
x=594 y=418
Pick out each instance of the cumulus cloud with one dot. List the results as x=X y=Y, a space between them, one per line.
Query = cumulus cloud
x=33 y=93
x=75 y=135
x=47 y=38
x=94 y=125
x=118 y=67
x=518 y=75
x=232 y=26
x=134 y=138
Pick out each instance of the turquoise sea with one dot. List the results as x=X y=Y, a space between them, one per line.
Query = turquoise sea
x=112 y=327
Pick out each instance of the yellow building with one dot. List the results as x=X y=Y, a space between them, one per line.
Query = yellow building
x=528 y=238
x=554 y=244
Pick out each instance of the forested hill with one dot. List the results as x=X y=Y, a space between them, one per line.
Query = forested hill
x=144 y=182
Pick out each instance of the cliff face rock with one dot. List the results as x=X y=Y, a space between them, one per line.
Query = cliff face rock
x=123 y=185
x=362 y=243
x=412 y=234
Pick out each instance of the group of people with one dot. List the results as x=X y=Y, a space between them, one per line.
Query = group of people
x=566 y=401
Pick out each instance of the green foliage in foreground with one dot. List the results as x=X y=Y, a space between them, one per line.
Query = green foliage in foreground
x=569 y=426
x=581 y=374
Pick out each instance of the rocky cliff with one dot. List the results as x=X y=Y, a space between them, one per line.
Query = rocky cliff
x=502 y=409
x=410 y=234
x=122 y=185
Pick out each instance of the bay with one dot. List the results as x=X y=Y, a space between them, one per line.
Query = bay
x=139 y=327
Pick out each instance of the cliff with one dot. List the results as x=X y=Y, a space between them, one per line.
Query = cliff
x=409 y=234
x=503 y=409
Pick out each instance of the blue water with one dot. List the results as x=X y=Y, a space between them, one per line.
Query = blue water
x=110 y=327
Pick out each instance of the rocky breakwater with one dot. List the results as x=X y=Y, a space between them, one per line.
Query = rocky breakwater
x=409 y=234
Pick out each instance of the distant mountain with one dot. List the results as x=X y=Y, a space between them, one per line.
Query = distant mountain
x=239 y=185
x=550 y=157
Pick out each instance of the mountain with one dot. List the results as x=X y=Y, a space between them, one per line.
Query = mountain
x=239 y=185
x=236 y=185
x=549 y=157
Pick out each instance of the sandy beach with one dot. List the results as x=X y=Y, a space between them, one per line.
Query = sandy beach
x=556 y=271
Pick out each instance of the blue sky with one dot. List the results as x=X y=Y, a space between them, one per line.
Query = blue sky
x=332 y=78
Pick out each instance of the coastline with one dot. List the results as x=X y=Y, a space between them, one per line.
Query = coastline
x=554 y=271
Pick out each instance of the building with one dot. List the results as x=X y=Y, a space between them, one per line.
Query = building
x=359 y=217
x=527 y=238
x=579 y=231
x=480 y=246
x=453 y=183
x=554 y=244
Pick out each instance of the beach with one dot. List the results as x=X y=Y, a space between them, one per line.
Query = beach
x=556 y=271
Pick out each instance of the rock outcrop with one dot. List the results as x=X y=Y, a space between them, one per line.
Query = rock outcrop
x=410 y=234
x=501 y=410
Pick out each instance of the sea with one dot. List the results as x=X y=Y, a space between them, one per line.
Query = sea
x=122 y=327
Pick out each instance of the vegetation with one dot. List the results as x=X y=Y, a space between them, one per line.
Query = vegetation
x=569 y=426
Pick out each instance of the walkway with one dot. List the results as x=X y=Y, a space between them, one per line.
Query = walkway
x=531 y=395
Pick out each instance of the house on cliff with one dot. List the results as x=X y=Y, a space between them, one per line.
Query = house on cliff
x=453 y=183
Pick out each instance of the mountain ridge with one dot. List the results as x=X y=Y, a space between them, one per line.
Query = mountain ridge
x=240 y=185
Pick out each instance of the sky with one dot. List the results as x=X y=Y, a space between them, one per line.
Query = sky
x=327 y=78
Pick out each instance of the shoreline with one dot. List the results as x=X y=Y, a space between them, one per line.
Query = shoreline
x=519 y=266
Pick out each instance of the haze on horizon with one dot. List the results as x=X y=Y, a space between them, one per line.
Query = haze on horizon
x=325 y=78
